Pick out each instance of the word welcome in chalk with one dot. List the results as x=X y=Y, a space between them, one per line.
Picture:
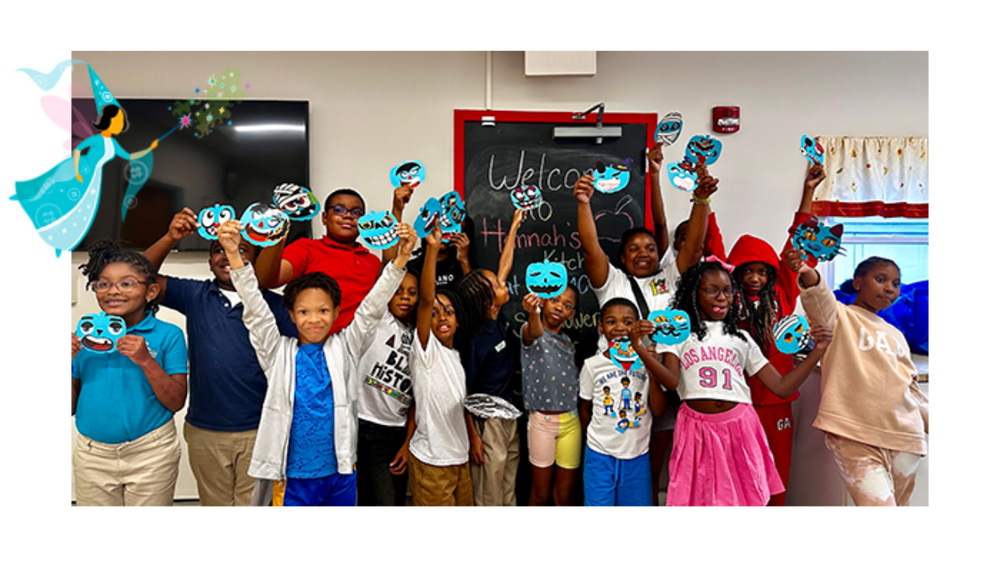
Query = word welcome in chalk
x=555 y=180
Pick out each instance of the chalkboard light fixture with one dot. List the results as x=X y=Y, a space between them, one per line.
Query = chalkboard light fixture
x=598 y=132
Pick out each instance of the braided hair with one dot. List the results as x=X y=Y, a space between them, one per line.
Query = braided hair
x=477 y=297
x=104 y=252
x=686 y=299
x=760 y=319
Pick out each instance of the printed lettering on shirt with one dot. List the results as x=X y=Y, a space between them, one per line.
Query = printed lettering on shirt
x=712 y=353
x=392 y=376
x=881 y=341
x=152 y=353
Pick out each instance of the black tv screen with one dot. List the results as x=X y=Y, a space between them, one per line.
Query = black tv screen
x=260 y=145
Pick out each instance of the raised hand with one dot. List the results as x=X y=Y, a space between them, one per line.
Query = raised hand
x=407 y=239
x=707 y=184
x=583 y=189
x=795 y=260
x=434 y=237
x=229 y=236
x=641 y=328
x=401 y=196
x=532 y=303
x=184 y=223
x=814 y=177
x=461 y=243
x=518 y=219
x=655 y=158
x=821 y=335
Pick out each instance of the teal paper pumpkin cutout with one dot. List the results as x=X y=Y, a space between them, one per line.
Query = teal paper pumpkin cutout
x=673 y=326
x=818 y=240
x=211 y=218
x=811 y=149
x=526 y=197
x=791 y=334
x=378 y=230
x=264 y=225
x=623 y=355
x=703 y=147
x=429 y=214
x=611 y=179
x=546 y=279
x=298 y=202
x=99 y=332
x=410 y=173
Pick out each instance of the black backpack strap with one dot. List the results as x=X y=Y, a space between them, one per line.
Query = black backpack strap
x=640 y=299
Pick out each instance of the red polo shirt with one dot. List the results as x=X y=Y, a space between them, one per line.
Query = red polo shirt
x=354 y=268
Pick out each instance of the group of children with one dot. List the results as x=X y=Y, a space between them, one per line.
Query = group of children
x=337 y=394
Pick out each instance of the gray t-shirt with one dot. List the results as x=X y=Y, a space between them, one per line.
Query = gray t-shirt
x=548 y=373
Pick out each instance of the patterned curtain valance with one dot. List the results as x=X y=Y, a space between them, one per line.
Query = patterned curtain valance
x=867 y=176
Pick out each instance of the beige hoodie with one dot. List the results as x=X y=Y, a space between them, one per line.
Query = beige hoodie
x=869 y=386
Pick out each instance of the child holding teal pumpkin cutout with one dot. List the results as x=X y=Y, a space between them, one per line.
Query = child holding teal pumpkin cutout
x=127 y=452
x=716 y=425
x=550 y=383
x=765 y=292
x=616 y=468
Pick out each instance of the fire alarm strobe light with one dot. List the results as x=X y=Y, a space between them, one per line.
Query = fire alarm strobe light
x=726 y=119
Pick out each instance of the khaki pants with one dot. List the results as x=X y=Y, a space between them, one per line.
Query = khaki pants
x=493 y=481
x=874 y=476
x=142 y=472
x=439 y=486
x=219 y=461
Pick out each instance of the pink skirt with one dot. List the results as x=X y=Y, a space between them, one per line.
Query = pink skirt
x=721 y=460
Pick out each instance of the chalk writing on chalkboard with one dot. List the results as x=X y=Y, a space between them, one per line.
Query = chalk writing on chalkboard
x=510 y=155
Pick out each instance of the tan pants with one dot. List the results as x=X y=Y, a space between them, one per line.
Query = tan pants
x=874 y=476
x=493 y=481
x=439 y=486
x=219 y=461
x=142 y=472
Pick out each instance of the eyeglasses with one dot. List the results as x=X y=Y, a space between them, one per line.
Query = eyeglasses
x=341 y=211
x=124 y=286
x=714 y=291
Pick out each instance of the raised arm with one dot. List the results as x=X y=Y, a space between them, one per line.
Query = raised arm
x=273 y=270
x=400 y=197
x=595 y=262
x=693 y=247
x=257 y=316
x=654 y=367
x=533 y=329
x=184 y=223
x=507 y=256
x=817 y=298
x=428 y=285
x=814 y=177
x=785 y=386
x=655 y=159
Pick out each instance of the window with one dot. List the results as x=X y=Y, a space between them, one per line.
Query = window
x=904 y=241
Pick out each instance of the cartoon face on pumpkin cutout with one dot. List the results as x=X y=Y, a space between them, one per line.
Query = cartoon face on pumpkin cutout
x=669 y=128
x=99 y=333
x=703 y=147
x=623 y=355
x=812 y=150
x=452 y=212
x=546 y=279
x=526 y=197
x=611 y=179
x=264 y=224
x=791 y=334
x=818 y=240
x=298 y=202
x=430 y=213
x=378 y=230
x=410 y=173
x=682 y=177
x=210 y=218
x=672 y=326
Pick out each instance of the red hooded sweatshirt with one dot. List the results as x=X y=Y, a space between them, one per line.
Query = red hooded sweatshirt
x=752 y=249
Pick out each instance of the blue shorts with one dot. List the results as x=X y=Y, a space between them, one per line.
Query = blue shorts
x=609 y=481
x=335 y=490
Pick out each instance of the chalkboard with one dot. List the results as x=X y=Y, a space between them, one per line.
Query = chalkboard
x=518 y=149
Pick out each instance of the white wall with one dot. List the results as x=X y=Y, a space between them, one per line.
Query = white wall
x=370 y=111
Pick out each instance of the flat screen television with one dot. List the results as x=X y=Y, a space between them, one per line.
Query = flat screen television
x=238 y=163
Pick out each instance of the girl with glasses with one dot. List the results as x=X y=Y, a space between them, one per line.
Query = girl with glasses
x=124 y=399
x=716 y=426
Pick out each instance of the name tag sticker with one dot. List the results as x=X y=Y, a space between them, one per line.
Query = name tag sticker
x=501 y=346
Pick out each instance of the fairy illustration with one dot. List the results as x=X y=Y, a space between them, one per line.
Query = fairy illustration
x=62 y=202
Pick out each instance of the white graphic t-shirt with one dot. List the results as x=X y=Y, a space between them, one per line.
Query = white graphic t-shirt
x=620 y=417
x=438 y=390
x=717 y=367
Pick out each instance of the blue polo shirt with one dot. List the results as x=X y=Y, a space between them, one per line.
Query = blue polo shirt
x=117 y=403
x=227 y=384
